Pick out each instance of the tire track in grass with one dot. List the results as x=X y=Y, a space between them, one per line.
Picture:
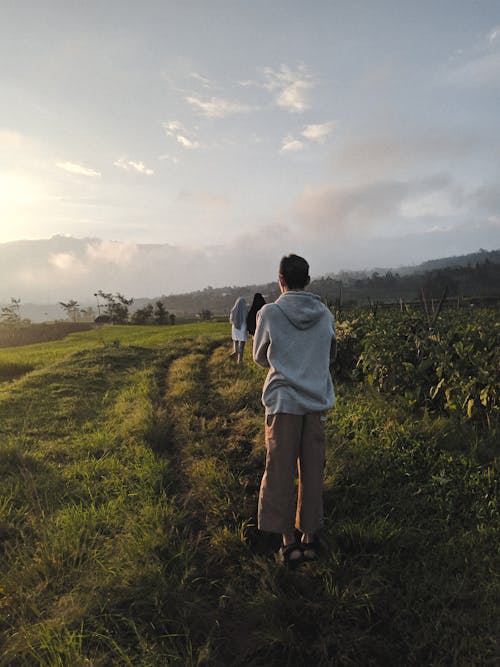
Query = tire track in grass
x=92 y=541
x=211 y=406
x=244 y=595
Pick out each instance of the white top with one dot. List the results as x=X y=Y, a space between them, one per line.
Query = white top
x=239 y=334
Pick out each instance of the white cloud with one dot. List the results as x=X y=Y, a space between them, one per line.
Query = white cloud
x=111 y=252
x=172 y=126
x=66 y=261
x=319 y=132
x=130 y=165
x=216 y=107
x=291 y=145
x=290 y=87
x=74 y=168
x=439 y=204
x=177 y=131
x=187 y=143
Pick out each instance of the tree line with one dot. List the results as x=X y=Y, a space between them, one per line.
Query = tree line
x=111 y=309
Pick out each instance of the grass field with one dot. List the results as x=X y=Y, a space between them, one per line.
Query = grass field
x=130 y=461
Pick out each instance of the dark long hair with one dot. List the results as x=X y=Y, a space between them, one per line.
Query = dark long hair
x=257 y=303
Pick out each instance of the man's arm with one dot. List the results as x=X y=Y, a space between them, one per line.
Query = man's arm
x=261 y=342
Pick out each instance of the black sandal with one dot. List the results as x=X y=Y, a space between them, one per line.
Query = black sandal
x=310 y=549
x=285 y=553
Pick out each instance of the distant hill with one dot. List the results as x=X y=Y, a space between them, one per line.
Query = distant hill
x=473 y=275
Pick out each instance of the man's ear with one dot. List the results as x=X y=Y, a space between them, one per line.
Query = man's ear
x=307 y=281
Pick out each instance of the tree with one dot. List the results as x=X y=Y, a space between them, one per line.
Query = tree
x=205 y=314
x=171 y=318
x=11 y=315
x=87 y=314
x=143 y=315
x=72 y=309
x=115 y=308
x=161 y=313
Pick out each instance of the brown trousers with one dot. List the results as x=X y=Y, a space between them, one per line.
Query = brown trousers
x=294 y=443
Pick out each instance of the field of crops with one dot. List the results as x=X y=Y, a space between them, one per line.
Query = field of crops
x=130 y=461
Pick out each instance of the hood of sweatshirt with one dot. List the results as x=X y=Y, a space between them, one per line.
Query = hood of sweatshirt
x=303 y=309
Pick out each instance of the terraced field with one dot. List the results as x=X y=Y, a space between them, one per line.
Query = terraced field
x=130 y=460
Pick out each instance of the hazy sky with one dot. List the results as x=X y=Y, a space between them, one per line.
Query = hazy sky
x=359 y=133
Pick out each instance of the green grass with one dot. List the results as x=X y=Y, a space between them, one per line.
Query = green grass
x=15 y=361
x=130 y=461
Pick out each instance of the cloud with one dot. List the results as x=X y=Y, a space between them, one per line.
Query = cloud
x=130 y=165
x=290 y=87
x=483 y=70
x=487 y=199
x=380 y=204
x=291 y=145
x=74 y=168
x=434 y=204
x=64 y=261
x=216 y=107
x=494 y=35
x=319 y=132
x=170 y=158
x=206 y=83
x=376 y=157
x=111 y=252
x=172 y=126
x=187 y=143
x=184 y=137
x=342 y=209
x=478 y=66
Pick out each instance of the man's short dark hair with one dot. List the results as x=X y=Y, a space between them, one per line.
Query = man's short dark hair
x=294 y=271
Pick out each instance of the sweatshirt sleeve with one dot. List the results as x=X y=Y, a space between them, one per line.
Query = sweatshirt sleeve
x=261 y=342
x=333 y=346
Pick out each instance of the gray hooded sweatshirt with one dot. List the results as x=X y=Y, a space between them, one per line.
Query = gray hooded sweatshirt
x=295 y=339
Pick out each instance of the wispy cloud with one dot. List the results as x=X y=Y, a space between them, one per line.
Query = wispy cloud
x=176 y=130
x=291 y=88
x=217 y=107
x=170 y=158
x=478 y=65
x=291 y=145
x=494 y=35
x=131 y=165
x=74 y=168
x=187 y=143
x=319 y=132
x=479 y=71
x=203 y=80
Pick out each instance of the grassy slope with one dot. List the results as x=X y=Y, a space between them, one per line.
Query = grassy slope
x=128 y=481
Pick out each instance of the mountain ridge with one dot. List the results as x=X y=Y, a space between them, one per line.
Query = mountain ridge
x=470 y=275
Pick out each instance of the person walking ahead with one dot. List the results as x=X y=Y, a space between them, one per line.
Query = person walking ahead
x=239 y=333
x=295 y=338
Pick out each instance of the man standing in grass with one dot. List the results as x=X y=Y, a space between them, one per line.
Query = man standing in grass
x=295 y=339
